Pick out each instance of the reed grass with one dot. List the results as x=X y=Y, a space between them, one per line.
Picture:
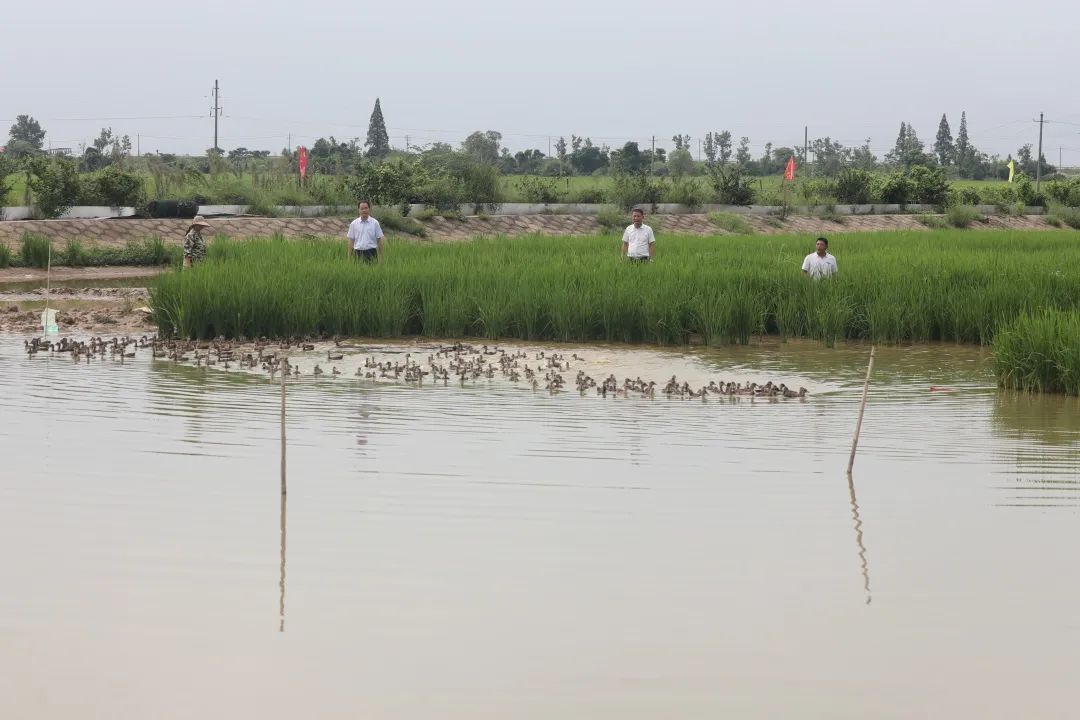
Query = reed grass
x=34 y=251
x=948 y=285
x=6 y=256
x=1040 y=352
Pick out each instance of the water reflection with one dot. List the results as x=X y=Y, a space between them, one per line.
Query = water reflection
x=281 y=574
x=863 y=563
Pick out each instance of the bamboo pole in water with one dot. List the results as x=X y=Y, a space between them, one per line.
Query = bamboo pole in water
x=284 y=366
x=862 y=409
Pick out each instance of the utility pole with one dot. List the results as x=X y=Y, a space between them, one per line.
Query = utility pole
x=138 y=145
x=217 y=113
x=406 y=143
x=549 y=146
x=652 y=158
x=1038 y=159
x=699 y=149
x=806 y=144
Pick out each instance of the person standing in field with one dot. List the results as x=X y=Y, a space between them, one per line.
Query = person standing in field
x=194 y=245
x=819 y=264
x=638 y=240
x=365 y=235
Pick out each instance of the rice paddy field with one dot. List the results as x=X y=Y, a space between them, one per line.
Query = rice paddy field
x=951 y=286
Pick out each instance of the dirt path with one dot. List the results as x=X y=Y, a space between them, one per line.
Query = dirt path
x=111 y=272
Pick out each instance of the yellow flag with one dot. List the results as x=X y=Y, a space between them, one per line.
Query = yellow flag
x=1012 y=169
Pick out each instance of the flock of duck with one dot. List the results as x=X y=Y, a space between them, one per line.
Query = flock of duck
x=461 y=362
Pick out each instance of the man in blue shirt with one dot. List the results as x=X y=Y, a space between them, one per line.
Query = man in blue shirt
x=366 y=236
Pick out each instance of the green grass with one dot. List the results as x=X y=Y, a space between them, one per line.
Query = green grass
x=961 y=216
x=731 y=222
x=893 y=287
x=1040 y=352
x=34 y=250
x=6 y=256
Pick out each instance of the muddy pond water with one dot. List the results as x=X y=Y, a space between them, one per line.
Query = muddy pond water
x=489 y=551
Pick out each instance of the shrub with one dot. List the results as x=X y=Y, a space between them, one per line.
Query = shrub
x=687 y=192
x=172 y=208
x=629 y=189
x=1064 y=191
x=934 y=222
x=896 y=188
x=35 y=250
x=55 y=184
x=6 y=256
x=75 y=254
x=119 y=188
x=589 y=196
x=611 y=218
x=389 y=183
x=1025 y=189
x=442 y=193
x=929 y=185
x=854 y=186
x=731 y=222
x=961 y=216
x=261 y=205
x=731 y=185
x=966 y=196
x=1059 y=215
x=538 y=190
x=427 y=213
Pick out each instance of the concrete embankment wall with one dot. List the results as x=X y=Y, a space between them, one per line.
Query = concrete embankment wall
x=121 y=231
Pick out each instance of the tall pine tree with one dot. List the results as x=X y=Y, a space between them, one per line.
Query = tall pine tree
x=378 y=141
x=943 y=145
x=963 y=147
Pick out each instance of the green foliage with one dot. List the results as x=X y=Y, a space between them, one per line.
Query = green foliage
x=387 y=183
x=26 y=136
x=1062 y=191
x=961 y=216
x=929 y=185
x=391 y=219
x=119 y=188
x=539 y=190
x=680 y=162
x=854 y=186
x=632 y=189
x=965 y=196
x=896 y=287
x=74 y=255
x=55 y=184
x=427 y=213
x=35 y=250
x=612 y=219
x=378 y=141
x=172 y=209
x=934 y=222
x=6 y=256
x=687 y=192
x=8 y=167
x=1059 y=215
x=1040 y=352
x=731 y=185
x=894 y=188
x=731 y=222
x=589 y=196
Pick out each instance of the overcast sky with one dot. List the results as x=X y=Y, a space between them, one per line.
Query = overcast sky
x=614 y=70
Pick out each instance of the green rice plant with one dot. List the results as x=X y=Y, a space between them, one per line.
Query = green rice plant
x=35 y=250
x=961 y=216
x=1040 y=352
x=942 y=285
x=735 y=224
x=75 y=254
x=6 y=256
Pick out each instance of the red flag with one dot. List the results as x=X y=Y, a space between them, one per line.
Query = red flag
x=789 y=170
x=303 y=161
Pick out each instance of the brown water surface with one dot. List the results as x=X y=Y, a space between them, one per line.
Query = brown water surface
x=491 y=552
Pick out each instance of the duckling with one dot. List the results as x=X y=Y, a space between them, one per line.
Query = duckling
x=335 y=371
x=334 y=356
x=318 y=370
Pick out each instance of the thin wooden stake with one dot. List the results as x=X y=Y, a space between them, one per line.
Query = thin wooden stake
x=284 y=365
x=862 y=409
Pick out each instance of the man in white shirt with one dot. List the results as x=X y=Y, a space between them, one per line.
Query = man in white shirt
x=638 y=241
x=819 y=264
x=365 y=236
